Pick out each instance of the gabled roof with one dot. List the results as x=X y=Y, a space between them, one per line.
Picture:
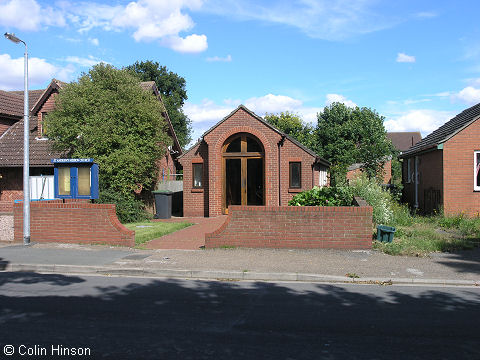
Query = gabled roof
x=403 y=141
x=243 y=107
x=11 y=147
x=446 y=131
x=151 y=86
x=55 y=85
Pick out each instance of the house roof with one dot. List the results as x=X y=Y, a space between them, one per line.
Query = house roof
x=151 y=86
x=11 y=102
x=11 y=147
x=243 y=107
x=446 y=131
x=11 y=142
x=403 y=141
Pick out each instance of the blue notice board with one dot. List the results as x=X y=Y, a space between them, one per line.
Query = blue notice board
x=75 y=179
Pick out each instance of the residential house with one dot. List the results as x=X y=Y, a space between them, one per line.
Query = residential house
x=401 y=142
x=243 y=160
x=442 y=170
x=41 y=152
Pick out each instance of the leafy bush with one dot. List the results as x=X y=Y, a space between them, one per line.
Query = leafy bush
x=129 y=209
x=324 y=196
x=381 y=200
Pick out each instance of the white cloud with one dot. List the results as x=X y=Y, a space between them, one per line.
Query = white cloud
x=404 y=58
x=227 y=58
x=426 y=14
x=191 y=44
x=150 y=20
x=94 y=41
x=28 y=15
x=469 y=95
x=423 y=120
x=332 y=98
x=323 y=19
x=39 y=72
x=272 y=104
x=207 y=111
x=85 y=62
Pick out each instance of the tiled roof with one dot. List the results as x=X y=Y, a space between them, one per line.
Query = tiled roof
x=446 y=131
x=11 y=147
x=11 y=104
x=404 y=140
x=33 y=96
x=243 y=107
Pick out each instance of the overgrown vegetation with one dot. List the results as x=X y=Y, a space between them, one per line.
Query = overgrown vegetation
x=433 y=234
x=149 y=230
x=107 y=116
x=415 y=235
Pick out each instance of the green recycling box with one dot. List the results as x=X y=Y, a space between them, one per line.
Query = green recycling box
x=385 y=233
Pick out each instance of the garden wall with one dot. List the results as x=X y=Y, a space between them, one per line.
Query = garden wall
x=328 y=227
x=72 y=222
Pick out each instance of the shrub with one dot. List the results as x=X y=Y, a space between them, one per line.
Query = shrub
x=324 y=196
x=129 y=209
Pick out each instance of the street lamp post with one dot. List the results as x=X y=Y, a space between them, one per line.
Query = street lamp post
x=26 y=146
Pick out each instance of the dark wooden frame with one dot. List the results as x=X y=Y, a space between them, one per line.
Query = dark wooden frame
x=290 y=174
x=243 y=155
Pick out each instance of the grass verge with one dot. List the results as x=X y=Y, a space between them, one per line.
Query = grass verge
x=433 y=234
x=149 y=230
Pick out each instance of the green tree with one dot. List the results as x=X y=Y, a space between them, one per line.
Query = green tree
x=107 y=116
x=292 y=125
x=172 y=87
x=346 y=135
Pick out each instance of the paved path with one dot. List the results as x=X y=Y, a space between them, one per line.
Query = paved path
x=190 y=238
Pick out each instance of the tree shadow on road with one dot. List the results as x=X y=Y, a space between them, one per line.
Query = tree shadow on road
x=465 y=261
x=137 y=318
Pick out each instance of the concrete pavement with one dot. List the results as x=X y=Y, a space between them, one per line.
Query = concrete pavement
x=333 y=266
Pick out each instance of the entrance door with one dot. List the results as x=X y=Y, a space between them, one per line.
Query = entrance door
x=243 y=172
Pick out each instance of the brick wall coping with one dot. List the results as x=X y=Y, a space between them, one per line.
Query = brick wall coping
x=339 y=227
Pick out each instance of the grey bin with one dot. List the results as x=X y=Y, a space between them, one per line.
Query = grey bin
x=163 y=204
x=385 y=233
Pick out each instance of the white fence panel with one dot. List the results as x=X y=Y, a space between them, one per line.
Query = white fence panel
x=41 y=187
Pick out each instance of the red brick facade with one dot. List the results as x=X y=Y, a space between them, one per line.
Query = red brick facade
x=210 y=199
x=446 y=176
x=72 y=222
x=386 y=173
x=295 y=227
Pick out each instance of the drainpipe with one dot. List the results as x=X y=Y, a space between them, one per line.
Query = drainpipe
x=416 y=182
x=280 y=144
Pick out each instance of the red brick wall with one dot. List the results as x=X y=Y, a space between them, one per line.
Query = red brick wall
x=295 y=227
x=11 y=187
x=386 y=173
x=208 y=201
x=72 y=222
x=458 y=174
x=47 y=106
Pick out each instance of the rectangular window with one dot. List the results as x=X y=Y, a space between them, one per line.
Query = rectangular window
x=84 y=181
x=197 y=175
x=476 y=171
x=43 y=124
x=64 y=181
x=409 y=170
x=295 y=175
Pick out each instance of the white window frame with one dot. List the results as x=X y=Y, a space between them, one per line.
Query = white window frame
x=475 y=166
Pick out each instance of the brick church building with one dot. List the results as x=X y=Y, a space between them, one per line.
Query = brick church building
x=243 y=160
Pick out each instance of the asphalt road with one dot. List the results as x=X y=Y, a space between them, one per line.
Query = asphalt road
x=136 y=318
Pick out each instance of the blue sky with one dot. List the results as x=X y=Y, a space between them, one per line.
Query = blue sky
x=416 y=62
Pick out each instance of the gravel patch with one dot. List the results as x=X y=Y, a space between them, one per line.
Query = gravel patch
x=6 y=227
